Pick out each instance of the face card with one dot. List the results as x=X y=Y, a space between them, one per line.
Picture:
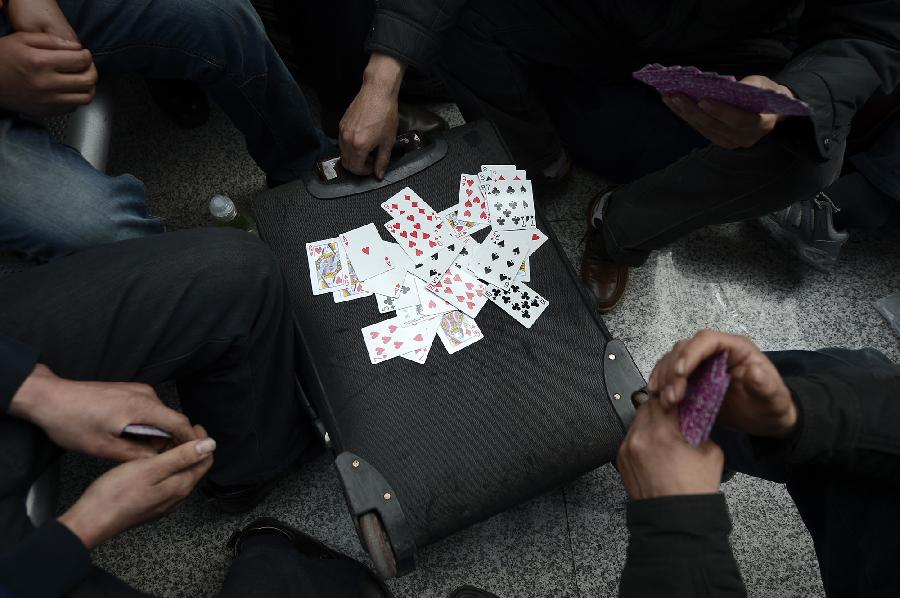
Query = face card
x=462 y=290
x=501 y=255
x=471 y=206
x=388 y=339
x=521 y=302
x=457 y=331
x=354 y=291
x=327 y=266
x=459 y=228
x=367 y=251
x=524 y=273
x=511 y=204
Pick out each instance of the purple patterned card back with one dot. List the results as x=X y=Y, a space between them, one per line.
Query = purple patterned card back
x=699 y=85
x=706 y=388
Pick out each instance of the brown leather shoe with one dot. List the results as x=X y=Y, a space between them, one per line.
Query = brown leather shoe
x=605 y=279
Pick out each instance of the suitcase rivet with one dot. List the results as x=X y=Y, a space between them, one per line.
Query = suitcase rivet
x=387 y=496
x=355 y=463
x=617 y=396
x=612 y=356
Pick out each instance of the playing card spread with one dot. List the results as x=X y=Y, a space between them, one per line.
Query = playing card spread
x=703 y=397
x=472 y=207
x=327 y=266
x=457 y=331
x=700 y=85
x=462 y=290
x=367 y=251
x=388 y=339
x=521 y=302
x=502 y=253
x=459 y=228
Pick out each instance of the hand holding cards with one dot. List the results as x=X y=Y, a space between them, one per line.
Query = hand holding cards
x=435 y=277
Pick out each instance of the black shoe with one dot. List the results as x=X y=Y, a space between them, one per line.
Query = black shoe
x=183 y=102
x=416 y=118
x=369 y=585
x=806 y=229
x=238 y=498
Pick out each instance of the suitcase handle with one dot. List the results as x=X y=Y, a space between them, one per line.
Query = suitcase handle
x=410 y=163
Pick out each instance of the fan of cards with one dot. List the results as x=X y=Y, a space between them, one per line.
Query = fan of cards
x=699 y=85
x=435 y=277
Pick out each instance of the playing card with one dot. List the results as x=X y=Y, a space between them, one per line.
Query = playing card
x=461 y=289
x=413 y=314
x=470 y=248
x=511 y=204
x=502 y=253
x=471 y=206
x=524 y=272
x=419 y=355
x=457 y=331
x=353 y=291
x=501 y=175
x=706 y=388
x=431 y=258
x=388 y=283
x=459 y=228
x=406 y=202
x=521 y=302
x=388 y=339
x=327 y=266
x=431 y=303
x=367 y=251
x=386 y=303
x=699 y=85
x=409 y=293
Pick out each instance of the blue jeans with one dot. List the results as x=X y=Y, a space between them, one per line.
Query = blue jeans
x=52 y=202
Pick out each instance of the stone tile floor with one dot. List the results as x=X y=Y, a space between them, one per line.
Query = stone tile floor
x=570 y=542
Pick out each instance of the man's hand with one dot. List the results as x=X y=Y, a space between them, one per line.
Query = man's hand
x=757 y=402
x=370 y=122
x=42 y=74
x=40 y=16
x=726 y=125
x=139 y=491
x=655 y=459
x=89 y=417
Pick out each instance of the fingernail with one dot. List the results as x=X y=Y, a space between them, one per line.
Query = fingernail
x=205 y=446
x=679 y=366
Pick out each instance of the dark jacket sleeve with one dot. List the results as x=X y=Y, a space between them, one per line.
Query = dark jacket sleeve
x=411 y=30
x=848 y=419
x=16 y=362
x=679 y=547
x=850 y=50
x=50 y=562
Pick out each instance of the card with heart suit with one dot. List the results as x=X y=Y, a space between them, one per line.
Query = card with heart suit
x=431 y=257
x=354 y=291
x=502 y=253
x=499 y=176
x=521 y=302
x=462 y=290
x=388 y=339
x=431 y=304
x=328 y=270
x=388 y=283
x=457 y=331
x=471 y=206
x=407 y=202
x=461 y=229
x=367 y=251
x=511 y=205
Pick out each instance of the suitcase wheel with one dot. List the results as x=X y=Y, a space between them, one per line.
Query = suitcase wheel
x=378 y=545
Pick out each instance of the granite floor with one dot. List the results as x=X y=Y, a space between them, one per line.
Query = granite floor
x=570 y=542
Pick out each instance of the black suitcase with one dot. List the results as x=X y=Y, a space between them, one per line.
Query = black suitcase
x=422 y=451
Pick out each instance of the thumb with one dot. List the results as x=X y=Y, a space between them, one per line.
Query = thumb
x=182 y=457
x=383 y=158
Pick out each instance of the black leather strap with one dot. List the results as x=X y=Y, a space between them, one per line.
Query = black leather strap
x=622 y=379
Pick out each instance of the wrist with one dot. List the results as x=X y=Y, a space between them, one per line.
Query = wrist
x=384 y=73
x=86 y=528
x=34 y=393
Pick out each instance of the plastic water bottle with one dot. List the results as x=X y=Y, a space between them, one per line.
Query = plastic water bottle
x=225 y=213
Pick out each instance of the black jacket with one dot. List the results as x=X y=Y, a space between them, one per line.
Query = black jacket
x=848 y=425
x=848 y=49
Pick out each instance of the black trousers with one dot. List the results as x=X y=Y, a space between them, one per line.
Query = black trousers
x=207 y=308
x=852 y=519
x=511 y=61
